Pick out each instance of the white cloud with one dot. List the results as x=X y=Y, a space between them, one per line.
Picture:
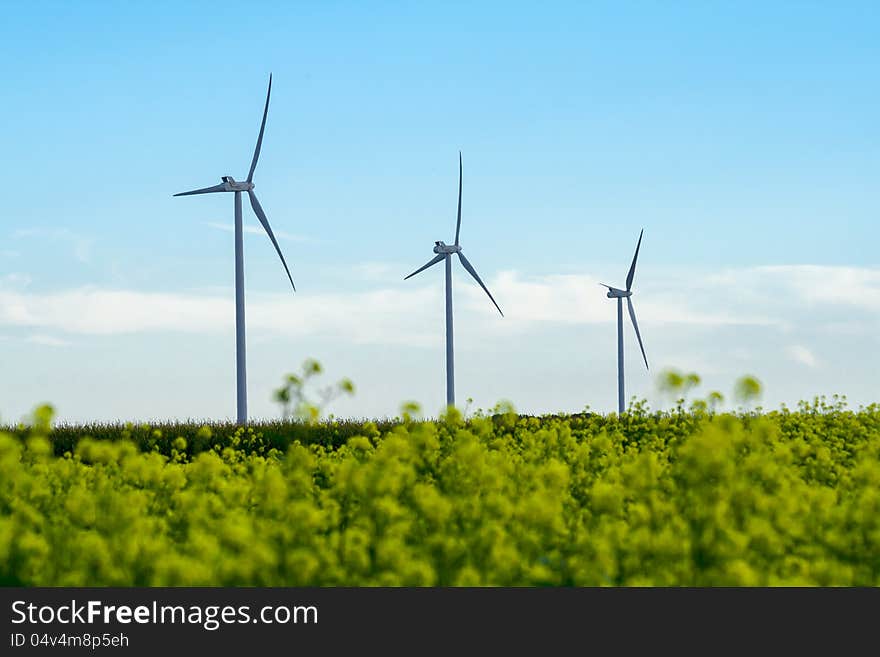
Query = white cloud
x=800 y=354
x=402 y=314
x=82 y=246
x=406 y=315
x=578 y=299
x=46 y=340
x=15 y=279
x=409 y=314
x=102 y=312
x=257 y=230
x=858 y=287
x=379 y=316
x=377 y=270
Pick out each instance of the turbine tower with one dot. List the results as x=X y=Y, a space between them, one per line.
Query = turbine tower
x=444 y=252
x=229 y=184
x=620 y=295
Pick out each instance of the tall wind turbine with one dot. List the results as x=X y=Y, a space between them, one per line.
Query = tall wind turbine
x=620 y=295
x=229 y=184
x=444 y=252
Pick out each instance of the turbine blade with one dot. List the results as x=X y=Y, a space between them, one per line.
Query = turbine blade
x=250 y=177
x=205 y=190
x=433 y=262
x=258 y=210
x=473 y=272
x=632 y=267
x=632 y=316
x=458 y=224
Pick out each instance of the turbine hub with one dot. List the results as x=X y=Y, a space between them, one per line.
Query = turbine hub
x=442 y=247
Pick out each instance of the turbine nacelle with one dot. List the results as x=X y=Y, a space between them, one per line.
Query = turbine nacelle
x=442 y=247
x=232 y=186
x=615 y=293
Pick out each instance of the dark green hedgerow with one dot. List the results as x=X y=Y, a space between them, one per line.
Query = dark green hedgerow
x=638 y=425
x=160 y=437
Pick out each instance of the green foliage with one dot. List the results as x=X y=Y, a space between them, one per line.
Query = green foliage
x=408 y=410
x=676 y=385
x=714 y=400
x=747 y=390
x=670 y=381
x=645 y=498
x=293 y=394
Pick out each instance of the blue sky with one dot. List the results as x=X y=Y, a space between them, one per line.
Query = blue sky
x=742 y=136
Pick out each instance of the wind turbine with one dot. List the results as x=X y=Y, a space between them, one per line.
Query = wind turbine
x=229 y=184
x=444 y=252
x=620 y=295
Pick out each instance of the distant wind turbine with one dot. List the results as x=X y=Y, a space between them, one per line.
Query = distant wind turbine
x=444 y=252
x=229 y=184
x=615 y=293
